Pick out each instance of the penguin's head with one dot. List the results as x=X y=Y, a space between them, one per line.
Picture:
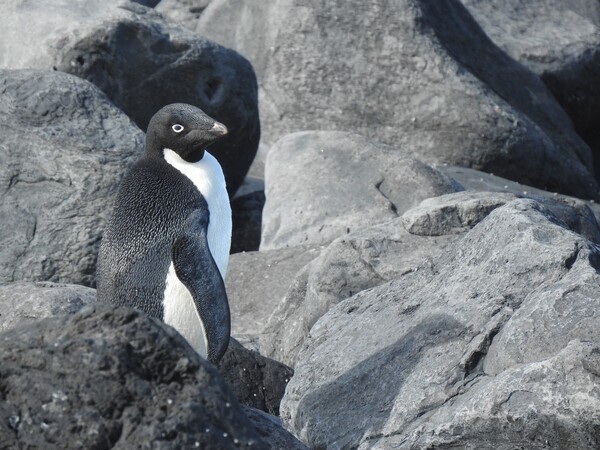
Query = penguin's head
x=183 y=128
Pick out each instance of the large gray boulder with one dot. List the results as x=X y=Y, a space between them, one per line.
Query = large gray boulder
x=494 y=345
x=360 y=260
x=558 y=40
x=322 y=185
x=111 y=377
x=374 y=255
x=256 y=283
x=64 y=148
x=142 y=62
x=415 y=74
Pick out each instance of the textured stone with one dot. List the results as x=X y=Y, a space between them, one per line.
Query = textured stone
x=493 y=346
x=457 y=213
x=142 y=62
x=363 y=259
x=475 y=180
x=256 y=283
x=322 y=185
x=26 y=302
x=63 y=151
x=416 y=74
x=113 y=378
x=256 y=381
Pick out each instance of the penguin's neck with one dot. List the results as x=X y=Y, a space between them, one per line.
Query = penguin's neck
x=207 y=176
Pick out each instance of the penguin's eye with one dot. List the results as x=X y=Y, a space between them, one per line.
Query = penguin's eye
x=177 y=128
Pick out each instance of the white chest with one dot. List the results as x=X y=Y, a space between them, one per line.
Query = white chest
x=208 y=178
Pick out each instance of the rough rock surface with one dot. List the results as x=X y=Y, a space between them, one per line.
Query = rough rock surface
x=26 y=302
x=416 y=74
x=322 y=185
x=256 y=381
x=271 y=431
x=363 y=259
x=63 y=151
x=256 y=282
x=558 y=40
x=495 y=345
x=113 y=378
x=374 y=255
x=459 y=212
x=142 y=62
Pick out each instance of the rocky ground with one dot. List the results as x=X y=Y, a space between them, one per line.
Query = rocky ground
x=416 y=249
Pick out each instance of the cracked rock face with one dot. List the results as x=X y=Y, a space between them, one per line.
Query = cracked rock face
x=478 y=350
x=322 y=185
x=64 y=148
x=111 y=377
x=141 y=62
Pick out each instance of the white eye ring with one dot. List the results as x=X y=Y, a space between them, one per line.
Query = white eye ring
x=177 y=128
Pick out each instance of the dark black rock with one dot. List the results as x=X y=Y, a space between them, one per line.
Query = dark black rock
x=113 y=378
x=246 y=212
x=255 y=380
x=272 y=432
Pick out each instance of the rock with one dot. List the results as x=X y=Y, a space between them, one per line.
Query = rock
x=421 y=75
x=256 y=381
x=361 y=260
x=272 y=432
x=559 y=41
x=475 y=180
x=184 y=12
x=495 y=345
x=256 y=283
x=322 y=185
x=246 y=215
x=142 y=62
x=459 y=212
x=26 y=302
x=374 y=255
x=113 y=378
x=63 y=151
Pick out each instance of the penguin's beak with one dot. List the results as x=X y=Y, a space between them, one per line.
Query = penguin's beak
x=219 y=129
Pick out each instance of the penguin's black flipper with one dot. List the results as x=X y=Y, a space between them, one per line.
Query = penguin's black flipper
x=197 y=270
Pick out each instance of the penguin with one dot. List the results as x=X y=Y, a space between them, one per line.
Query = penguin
x=166 y=247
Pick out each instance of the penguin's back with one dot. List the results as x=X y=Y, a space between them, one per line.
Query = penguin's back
x=151 y=207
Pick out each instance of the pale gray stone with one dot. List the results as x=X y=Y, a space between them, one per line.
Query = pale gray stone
x=479 y=350
x=322 y=185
